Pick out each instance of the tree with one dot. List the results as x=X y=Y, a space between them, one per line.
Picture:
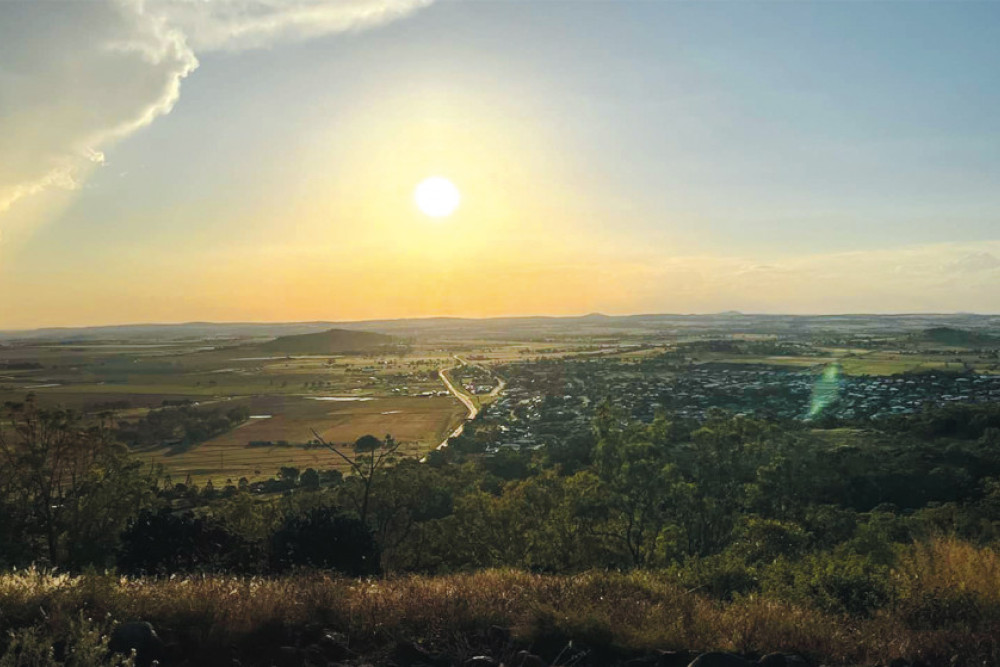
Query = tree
x=726 y=458
x=324 y=538
x=508 y=464
x=521 y=527
x=370 y=456
x=645 y=492
x=572 y=453
x=309 y=479
x=405 y=497
x=67 y=486
x=289 y=475
x=249 y=518
x=165 y=543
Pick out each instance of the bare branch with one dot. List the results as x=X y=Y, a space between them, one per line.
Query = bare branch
x=354 y=465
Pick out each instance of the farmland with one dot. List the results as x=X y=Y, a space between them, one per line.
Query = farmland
x=395 y=383
x=874 y=363
x=288 y=397
x=280 y=433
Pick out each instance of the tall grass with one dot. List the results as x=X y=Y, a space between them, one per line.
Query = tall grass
x=946 y=606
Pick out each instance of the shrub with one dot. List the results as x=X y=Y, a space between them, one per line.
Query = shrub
x=838 y=583
x=326 y=539
x=83 y=644
x=723 y=576
x=166 y=543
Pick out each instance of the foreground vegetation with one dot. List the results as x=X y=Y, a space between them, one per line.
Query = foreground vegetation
x=945 y=609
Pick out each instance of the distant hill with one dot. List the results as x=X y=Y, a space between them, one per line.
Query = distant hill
x=649 y=324
x=334 y=341
x=959 y=337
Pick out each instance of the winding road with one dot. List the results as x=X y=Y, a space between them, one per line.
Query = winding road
x=465 y=398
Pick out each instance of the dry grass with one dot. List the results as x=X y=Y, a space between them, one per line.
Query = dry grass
x=949 y=597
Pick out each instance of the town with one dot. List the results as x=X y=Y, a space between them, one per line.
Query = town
x=555 y=400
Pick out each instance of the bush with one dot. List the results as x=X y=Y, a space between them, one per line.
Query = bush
x=326 y=539
x=723 y=576
x=166 y=543
x=839 y=583
x=552 y=632
x=83 y=644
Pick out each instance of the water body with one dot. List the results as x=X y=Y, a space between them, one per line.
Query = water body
x=291 y=356
x=340 y=398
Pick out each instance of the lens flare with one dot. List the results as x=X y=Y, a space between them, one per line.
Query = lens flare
x=826 y=391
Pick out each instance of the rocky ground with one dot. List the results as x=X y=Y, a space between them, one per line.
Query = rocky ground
x=315 y=646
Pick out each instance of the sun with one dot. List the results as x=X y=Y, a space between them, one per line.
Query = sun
x=437 y=197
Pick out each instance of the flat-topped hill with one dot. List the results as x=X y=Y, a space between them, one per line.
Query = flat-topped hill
x=334 y=341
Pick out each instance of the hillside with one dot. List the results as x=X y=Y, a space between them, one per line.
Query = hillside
x=959 y=337
x=334 y=341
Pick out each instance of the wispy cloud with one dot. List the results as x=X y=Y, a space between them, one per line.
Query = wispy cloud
x=75 y=77
x=931 y=277
x=246 y=24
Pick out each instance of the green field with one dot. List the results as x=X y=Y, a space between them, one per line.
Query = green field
x=868 y=362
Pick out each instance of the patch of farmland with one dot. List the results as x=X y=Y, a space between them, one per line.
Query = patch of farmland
x=72 y=398
x=259 y=447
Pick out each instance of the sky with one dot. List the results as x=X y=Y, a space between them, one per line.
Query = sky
x=254 y=160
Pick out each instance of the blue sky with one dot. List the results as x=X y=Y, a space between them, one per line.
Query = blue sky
x=694 y=145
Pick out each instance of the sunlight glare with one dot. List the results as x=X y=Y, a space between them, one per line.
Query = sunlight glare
x=437 y=197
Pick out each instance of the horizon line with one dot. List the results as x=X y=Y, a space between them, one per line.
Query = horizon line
x=427 y=318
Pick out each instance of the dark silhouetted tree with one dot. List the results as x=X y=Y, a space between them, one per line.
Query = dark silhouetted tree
x=370 y=456
x=327 y=539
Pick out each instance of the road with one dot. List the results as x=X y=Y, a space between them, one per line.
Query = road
x=464 y=398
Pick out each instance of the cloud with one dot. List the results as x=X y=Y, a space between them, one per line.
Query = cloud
x=75 y=77
x=245 y=24
x=974 y=262
x=941 y=277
